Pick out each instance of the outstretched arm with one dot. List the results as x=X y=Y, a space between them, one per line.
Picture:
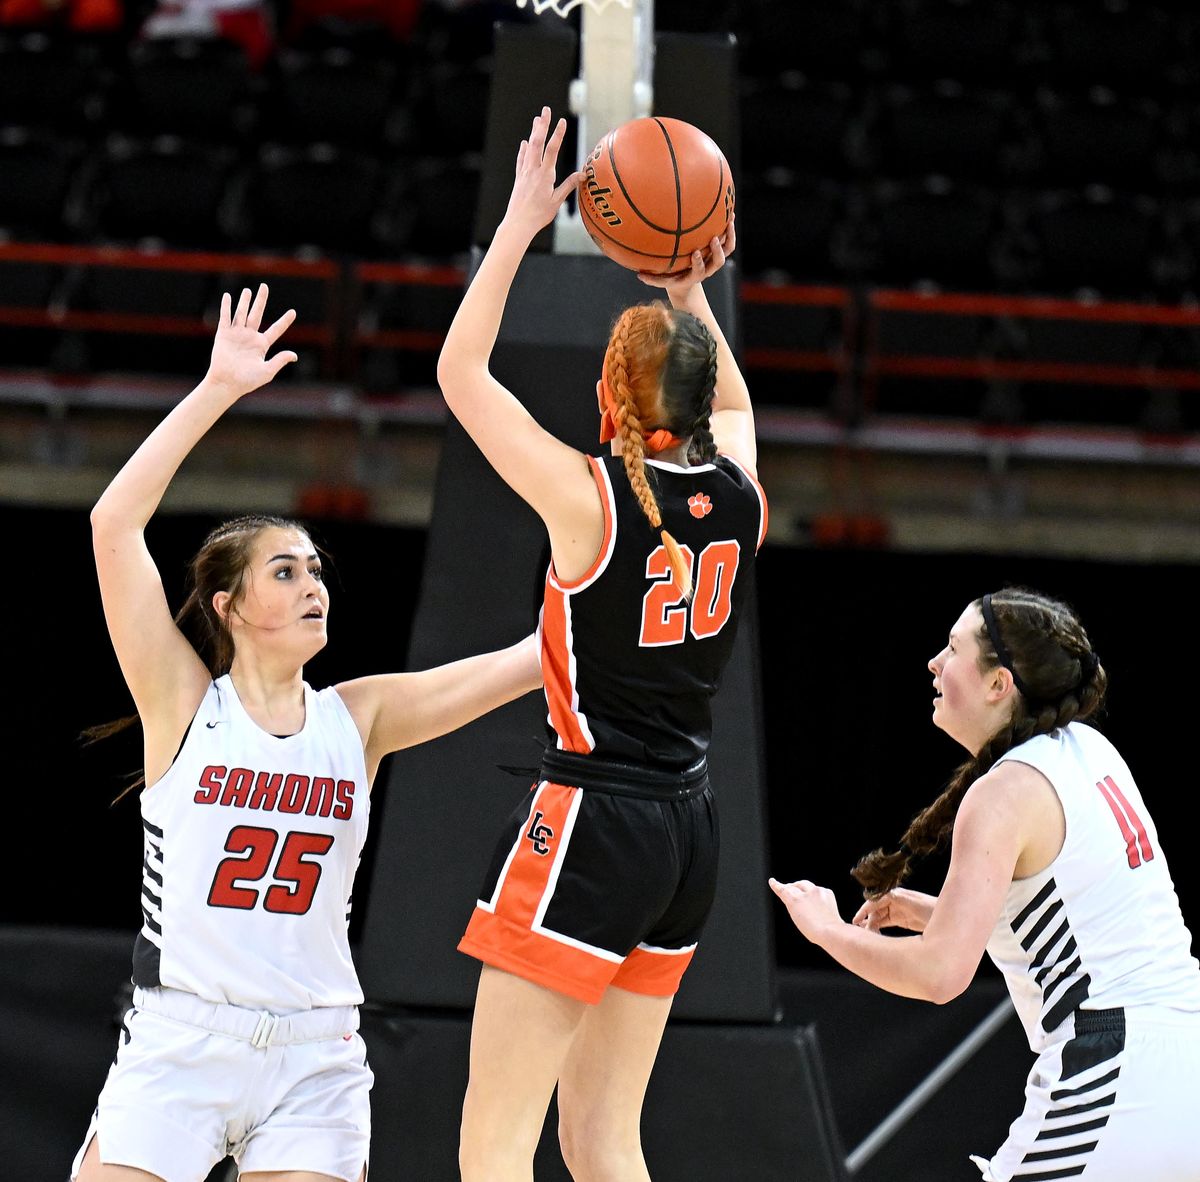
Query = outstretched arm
x=938 y=964
x=732 y=415
x=552 y=477
x=163 y=672
x=400 y=710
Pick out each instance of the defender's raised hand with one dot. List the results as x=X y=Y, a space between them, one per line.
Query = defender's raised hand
x=239 y=361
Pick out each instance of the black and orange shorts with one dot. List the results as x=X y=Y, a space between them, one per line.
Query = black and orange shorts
x=604 y=875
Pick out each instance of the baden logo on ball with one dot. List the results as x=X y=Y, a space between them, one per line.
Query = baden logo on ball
x=653 y=191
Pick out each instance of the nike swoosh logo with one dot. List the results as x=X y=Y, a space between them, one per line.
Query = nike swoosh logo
x=210 y=725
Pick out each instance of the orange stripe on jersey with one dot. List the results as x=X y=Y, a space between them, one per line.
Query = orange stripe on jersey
x=598 y=475
x=653 y=972
x=537 y=958
x=538 y=850
x=557 y=664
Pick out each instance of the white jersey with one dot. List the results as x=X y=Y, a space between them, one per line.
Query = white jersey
x=1100 y=927
x=251 y=844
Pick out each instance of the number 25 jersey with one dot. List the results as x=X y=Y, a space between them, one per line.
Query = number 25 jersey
x=251 y=845
x=629 y=665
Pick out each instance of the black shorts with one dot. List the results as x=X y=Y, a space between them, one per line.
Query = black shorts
x=604 y=879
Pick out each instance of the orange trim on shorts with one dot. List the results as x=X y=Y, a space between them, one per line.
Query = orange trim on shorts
x=657 y=974
x=528 y=874
x=505 y=945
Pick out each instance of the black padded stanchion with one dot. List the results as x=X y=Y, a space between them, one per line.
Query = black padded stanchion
x=444 y=803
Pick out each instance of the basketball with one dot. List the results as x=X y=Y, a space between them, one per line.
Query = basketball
x=653 y=191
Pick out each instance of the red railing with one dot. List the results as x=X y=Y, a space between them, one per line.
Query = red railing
x=855 y=357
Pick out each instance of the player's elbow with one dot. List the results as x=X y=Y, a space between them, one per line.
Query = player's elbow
x=947 y=982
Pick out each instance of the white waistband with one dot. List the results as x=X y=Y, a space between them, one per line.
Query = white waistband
x=258 y=1027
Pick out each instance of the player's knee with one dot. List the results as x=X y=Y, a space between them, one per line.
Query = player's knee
x=596 y=1148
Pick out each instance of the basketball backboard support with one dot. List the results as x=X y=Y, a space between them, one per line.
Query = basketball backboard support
x=615 y=84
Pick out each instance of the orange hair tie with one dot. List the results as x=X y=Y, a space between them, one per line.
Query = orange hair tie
x=658 y=440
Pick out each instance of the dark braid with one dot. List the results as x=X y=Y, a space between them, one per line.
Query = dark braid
x=703 y=449
x=1065 y=681
x=689 y=383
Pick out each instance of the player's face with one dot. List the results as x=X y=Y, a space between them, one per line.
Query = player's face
x=967 y=701
x=284 y=597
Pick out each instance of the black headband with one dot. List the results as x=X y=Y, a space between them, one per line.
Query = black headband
x=1002 y=653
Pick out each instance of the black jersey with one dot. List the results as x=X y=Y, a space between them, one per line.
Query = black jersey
x=630 y=667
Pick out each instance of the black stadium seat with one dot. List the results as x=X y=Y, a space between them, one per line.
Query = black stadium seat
x=47 y=82
x=1099 y=136
x=791 y=226
x=1098 y=240
x=935 y=231
x=318 y=196
x=190 y=86
x=37 y=169
x=944 y=129
x=165 y=188
x=980 y=41
x=332 y=96
x=803 y=126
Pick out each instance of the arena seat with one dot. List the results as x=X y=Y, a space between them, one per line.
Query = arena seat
x=164 y=188
x=317 y=196
x=191 y=86
x=801 y=125
x=944 y=129
x=333 y=95
x=935 y=230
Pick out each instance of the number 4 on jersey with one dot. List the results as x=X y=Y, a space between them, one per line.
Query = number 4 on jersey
x=667 y=617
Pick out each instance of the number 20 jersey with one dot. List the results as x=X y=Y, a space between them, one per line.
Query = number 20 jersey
x=629 y=666
x=251 y=845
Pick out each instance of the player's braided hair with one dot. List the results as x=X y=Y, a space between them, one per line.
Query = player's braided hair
x=661 y=369
x=219 y=565
x=1063 y=680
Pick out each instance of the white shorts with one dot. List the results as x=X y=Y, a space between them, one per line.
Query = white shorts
x=194 y=1082
x=1117 y=1103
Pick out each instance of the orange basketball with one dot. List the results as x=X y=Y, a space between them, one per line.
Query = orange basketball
x=653 y=191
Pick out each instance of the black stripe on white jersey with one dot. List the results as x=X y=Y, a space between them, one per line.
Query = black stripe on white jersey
x=1054 y=960
x=152 y=880
x=1070 y=1129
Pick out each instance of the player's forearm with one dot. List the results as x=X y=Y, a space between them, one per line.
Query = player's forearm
x=473 y=331
x=905 y=965
x=135 y=492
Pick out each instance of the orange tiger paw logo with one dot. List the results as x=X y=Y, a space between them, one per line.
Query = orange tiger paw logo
x=699 y=505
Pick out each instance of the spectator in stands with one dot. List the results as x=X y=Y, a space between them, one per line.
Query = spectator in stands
x=1057 y=872
x=248 y=23
x=77 y=16
x=398 y=18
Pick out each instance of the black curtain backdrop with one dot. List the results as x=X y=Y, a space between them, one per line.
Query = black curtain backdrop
x=844 y=635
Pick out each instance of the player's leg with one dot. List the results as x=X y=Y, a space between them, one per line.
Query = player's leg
x=94 y=1170
x=603 y=1084
x=520 y=1035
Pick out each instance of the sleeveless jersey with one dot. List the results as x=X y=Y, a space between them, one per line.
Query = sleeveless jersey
x=1100 y=927
x=629 y=666
x=251 y=846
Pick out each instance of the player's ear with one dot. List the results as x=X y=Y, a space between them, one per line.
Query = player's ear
x=220 y=603
x=600 y=395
